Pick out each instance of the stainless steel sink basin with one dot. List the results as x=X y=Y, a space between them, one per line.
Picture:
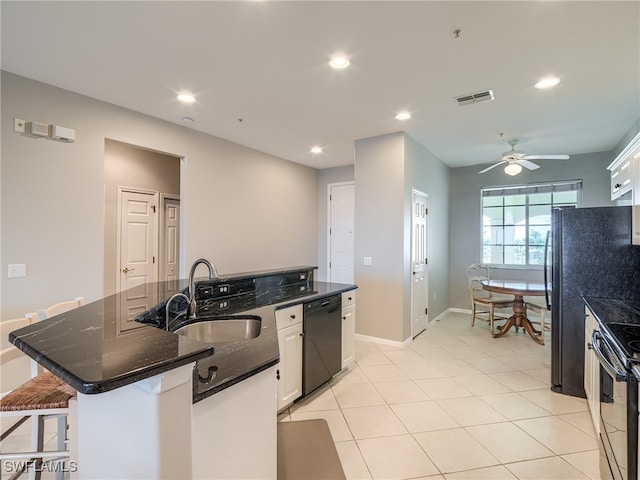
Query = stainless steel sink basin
x=222 y=329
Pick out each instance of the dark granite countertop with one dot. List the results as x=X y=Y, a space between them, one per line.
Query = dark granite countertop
x=613 y=310
x=85 y=348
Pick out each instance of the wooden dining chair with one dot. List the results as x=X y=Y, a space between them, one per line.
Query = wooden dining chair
x=541 y=310
x=484 y=302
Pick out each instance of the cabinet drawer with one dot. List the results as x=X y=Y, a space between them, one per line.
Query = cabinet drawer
x=348 y=298
x=285 y=317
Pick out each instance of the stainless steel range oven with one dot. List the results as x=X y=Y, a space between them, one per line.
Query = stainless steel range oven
x=618 y=400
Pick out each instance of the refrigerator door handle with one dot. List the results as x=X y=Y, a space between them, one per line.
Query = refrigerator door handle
x=546 y=268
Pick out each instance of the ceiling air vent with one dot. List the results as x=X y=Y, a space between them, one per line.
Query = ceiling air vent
x=479 y=97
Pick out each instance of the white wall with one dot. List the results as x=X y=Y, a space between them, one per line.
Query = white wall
x=379 y=234
x=387 y=168
x=243 y=209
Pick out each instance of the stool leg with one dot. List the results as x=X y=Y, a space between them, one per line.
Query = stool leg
x=38 y=439
x=62 y=437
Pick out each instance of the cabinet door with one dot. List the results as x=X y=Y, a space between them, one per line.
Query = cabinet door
x=348 y=335
x=621 y=179
x=635 y=223
x=290 y=367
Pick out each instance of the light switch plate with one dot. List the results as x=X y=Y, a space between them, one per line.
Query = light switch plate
x=17 y=270
x=19 y=125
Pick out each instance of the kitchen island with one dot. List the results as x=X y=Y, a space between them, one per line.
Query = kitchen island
x=139 y=390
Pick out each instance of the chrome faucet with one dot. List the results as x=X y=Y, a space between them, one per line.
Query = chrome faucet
x=213 y=273
x=166 y=317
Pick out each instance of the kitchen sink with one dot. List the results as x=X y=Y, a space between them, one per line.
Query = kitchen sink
x=222 y=329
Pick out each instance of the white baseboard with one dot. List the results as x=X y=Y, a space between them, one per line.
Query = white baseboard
x=383 y=341
x=455 y=310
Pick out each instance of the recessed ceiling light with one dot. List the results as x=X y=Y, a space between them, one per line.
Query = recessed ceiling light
x=187 y=119
x=316 y=149
x=403 y=115
x=339 y=61
x=186 y=98
x=547 y=82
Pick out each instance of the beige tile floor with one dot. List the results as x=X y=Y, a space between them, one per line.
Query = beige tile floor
x=455 y=404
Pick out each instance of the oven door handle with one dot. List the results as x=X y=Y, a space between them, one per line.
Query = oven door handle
x=596 y=337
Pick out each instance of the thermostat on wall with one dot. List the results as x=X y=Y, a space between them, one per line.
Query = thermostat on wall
x=63 y=133
x=39 y=129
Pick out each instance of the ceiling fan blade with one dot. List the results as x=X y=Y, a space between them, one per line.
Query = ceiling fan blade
x=546 y=157
x=492 y=166
x=528 y=164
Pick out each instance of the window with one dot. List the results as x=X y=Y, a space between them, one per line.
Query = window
x=516 y=219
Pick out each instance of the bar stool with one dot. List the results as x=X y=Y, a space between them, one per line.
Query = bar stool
x=44 y=396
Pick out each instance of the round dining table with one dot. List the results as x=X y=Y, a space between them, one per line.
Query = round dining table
x=519 y=318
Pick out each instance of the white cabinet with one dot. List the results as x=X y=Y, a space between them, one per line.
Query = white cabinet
x=348 y=328
x=620 y=177
x=635 y=175
x=591 y=371
x=289 y=370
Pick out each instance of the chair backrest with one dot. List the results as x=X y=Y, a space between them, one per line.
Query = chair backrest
x=8 y=351
x=477 y=273
x=59 y=308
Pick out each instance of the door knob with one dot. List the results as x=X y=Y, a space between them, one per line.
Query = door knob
x=127 y=270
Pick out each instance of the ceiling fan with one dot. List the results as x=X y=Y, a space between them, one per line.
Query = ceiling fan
x=516 y=159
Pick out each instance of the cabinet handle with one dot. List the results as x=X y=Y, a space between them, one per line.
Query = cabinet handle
x=617 y=185
x=350 y=298
x=277 y=374
x=293 y=317
x=302 y=334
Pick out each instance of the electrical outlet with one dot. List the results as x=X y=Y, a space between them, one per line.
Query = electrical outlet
x=19 y=125
x=17 y=270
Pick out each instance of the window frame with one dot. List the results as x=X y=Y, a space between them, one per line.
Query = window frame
x=525 y=189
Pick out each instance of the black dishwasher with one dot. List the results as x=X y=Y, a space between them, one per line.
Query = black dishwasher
x=322 y=346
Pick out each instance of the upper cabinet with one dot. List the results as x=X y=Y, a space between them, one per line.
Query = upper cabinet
x=623 y=176
x=620 y=177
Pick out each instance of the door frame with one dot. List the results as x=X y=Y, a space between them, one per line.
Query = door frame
x=143 y=191
x=415 y=191
x=161 y=234
x=329 y=187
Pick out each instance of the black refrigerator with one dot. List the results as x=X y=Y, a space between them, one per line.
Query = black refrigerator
x=591 y=255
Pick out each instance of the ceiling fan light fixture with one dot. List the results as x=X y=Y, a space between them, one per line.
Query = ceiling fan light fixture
x=548 y=82
x=512 y=169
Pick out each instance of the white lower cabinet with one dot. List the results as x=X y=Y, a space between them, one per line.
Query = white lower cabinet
x=233 y=433
x=289 y=370
x=348 y=328
x=591 y=371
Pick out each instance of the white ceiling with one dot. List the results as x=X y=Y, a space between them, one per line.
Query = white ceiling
x=266 y=63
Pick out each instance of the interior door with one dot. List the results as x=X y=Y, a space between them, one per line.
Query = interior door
x=341 y=227
x=170 y=242
x=137 y=253
x=419 y=282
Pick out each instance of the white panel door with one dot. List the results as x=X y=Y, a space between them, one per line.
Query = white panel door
x=419 y=285
x=341 y=227
x=137 y=253
x=170 y=243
